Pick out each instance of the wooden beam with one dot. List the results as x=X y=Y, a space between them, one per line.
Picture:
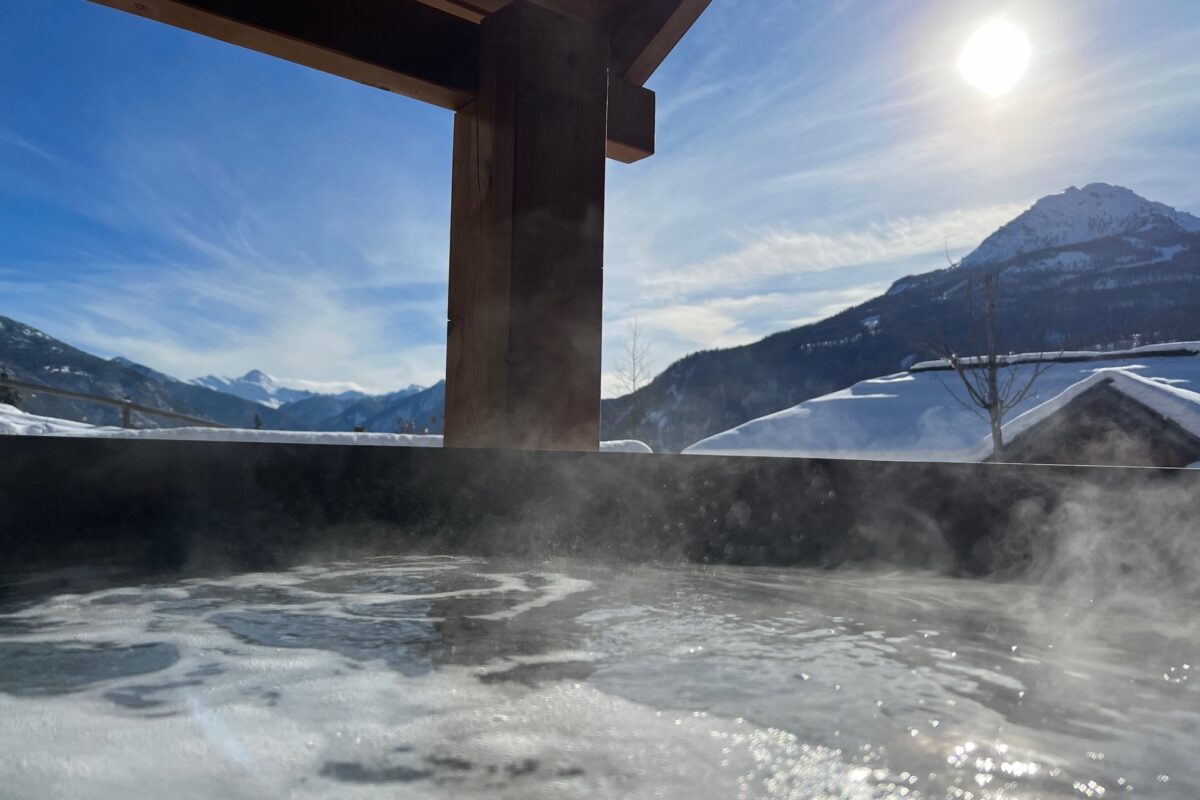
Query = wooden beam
x=630 y=121
x=476 y=10
x=527 y=238
x=470 y=10
x=649 y=34
x=404 y=46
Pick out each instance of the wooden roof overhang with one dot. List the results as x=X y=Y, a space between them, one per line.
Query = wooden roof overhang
x=543 y=91
x=430 y=49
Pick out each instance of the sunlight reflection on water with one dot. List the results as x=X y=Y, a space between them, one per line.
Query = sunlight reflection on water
x=458 y=677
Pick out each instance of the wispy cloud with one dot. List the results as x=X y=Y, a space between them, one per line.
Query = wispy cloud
x=671 y=329
x=237 y=318
x=218 y=211
x=9 y=138
x=778 y=252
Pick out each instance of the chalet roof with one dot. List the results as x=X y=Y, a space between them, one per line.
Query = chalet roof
x=1163 y=350
x=1171 y=402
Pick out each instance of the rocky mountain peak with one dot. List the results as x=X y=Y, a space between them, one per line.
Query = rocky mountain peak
x=1074 y=216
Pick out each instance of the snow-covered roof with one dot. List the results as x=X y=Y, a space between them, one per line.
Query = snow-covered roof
x=1180 y=406
x=916 y=416
x=1068 y=356
x=16 y=422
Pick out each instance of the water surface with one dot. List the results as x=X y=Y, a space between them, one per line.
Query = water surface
x=447 y=677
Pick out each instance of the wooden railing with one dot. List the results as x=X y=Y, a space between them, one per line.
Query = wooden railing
x=126 y=405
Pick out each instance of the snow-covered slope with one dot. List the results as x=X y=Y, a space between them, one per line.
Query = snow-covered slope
x=14 y=422
x=30 y=355
x=914 y=416
x=259 y=387
x=1083 y=269
x=1096 y=211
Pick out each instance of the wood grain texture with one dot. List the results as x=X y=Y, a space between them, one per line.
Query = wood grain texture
x=402 y=46
x=631 y=121
x=648 y=35
x=476 y=10
x=527 y=238
x=415 y=48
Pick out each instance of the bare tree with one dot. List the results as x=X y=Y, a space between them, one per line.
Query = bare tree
x=993 y=382
x=634 y=368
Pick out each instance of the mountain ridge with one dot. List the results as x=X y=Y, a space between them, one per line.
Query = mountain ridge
x=1082 y=269
x=261 y=387
x=33 y=356
x=1074 y=216
x=1136 y=280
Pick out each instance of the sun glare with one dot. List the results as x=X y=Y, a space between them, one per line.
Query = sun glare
x=995 y=57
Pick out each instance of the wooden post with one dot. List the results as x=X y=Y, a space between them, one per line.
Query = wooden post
x=527 y=237
x=126 y=413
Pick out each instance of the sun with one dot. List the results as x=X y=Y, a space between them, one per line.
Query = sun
x=995 y=57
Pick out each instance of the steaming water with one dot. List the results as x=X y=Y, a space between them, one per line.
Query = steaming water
x=440 y=677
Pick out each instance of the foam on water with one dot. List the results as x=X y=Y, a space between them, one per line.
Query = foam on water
x=462 y=678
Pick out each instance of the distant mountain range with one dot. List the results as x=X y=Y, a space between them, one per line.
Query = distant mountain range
x=30 y=355
x=1085 y=269
x=259 y=387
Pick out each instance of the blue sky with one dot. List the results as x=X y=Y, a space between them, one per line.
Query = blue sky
x=201 y=208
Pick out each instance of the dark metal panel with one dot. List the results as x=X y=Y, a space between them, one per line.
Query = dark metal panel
x=217 y=506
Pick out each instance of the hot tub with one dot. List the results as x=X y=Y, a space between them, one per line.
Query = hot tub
x=460 y=677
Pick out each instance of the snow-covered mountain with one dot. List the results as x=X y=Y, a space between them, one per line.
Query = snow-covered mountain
x=1096 y=211
x=259 y=387
x=28 y=354
x=1085 y=269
